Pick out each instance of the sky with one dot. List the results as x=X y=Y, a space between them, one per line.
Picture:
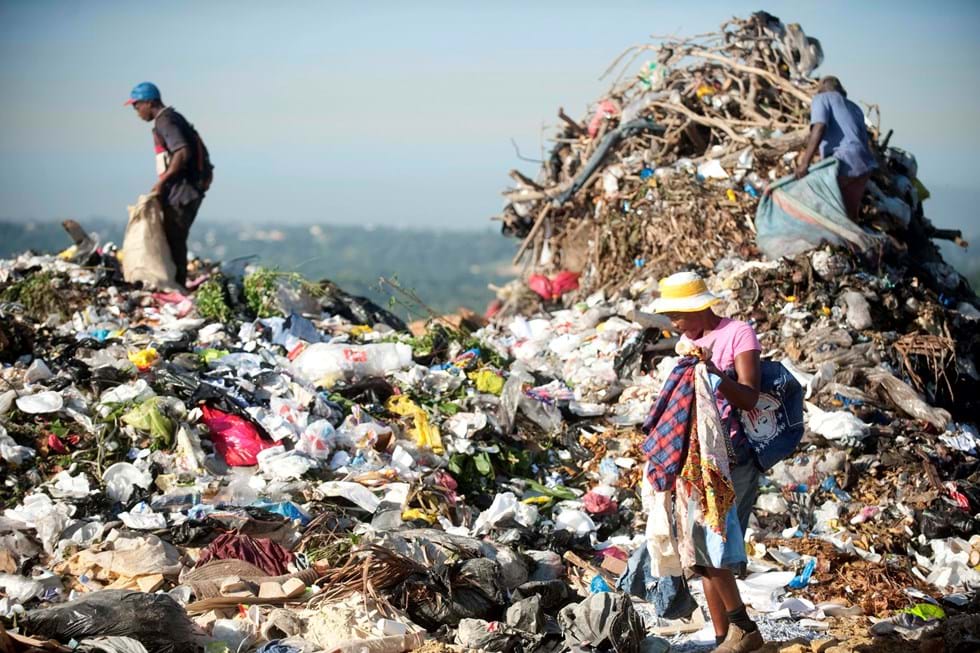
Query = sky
x=394 y=113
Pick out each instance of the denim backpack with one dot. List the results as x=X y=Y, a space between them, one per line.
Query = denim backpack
x=774 y=427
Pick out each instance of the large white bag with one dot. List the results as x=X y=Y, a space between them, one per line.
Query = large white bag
x=145 y=253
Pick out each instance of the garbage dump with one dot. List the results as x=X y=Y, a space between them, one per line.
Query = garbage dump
x=267 y=463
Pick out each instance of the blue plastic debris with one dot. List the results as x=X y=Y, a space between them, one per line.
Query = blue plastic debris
x=599 y=584
x=803 y=579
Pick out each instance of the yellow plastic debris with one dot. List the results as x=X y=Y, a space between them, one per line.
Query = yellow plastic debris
x=730 y=194
x=410 y=514
x=487 y=381
x=360 y=330
x=144 y=358
x=705 y=90
x=67 y=254
x=426 y=435
x=539 y=500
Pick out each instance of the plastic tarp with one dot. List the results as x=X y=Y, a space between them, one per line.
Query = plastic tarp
x=800 y=215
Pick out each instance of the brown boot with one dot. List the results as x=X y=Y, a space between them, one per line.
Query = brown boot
x=739 y=641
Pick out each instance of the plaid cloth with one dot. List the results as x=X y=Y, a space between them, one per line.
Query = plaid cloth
x=668 y=426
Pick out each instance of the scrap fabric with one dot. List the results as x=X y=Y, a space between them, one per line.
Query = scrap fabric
x=686 y=431
x=668 y=426
x=707 y=472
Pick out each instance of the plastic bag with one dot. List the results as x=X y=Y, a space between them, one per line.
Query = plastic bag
x=322 y=361
x=838 y=425
x=908 y=401
x=858 y=311
x=147 y=417
x=552 y=289
x=145 y=253
x=236 y=440
x=155 y=620
x=426 y=435
x=120 y=478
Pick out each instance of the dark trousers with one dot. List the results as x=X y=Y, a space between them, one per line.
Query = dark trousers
x=852 y=190
x=177 y=223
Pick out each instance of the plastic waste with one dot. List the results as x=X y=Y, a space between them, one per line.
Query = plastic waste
x=120 y=478
x=236 y=634
x=858 y=312
x=353 y=492
x=505 y=507
x=47 y=401
x=144 y=358
x=67 y=486
x=599 y=584
x=19 y=589
x=48 y=518
x=148 y=417
x=839 y=425
x=426 y=434
x=13 y=453
x=278 y=464
x=552 y=289
x=322 y=361
x=801 y=581
x=142 y=517
x=576 y=521
x=111 y=645
x=235 y=439
x=38 y=371
x=155 y=620
x=318 y=440
x=907 y=400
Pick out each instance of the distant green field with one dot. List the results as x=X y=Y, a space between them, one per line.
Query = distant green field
x=447 y=269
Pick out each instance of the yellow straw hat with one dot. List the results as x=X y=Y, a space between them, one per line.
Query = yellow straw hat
x=683 y=292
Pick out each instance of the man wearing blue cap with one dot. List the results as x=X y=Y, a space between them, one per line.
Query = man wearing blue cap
x=183 y=166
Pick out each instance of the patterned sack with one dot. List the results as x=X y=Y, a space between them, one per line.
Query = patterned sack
x=774 y=427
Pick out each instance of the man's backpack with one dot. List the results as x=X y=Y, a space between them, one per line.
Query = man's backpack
x=205 y=169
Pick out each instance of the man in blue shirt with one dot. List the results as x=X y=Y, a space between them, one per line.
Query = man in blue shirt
x=837 y=128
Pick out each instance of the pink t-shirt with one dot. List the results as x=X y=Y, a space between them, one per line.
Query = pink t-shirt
x=728 y=340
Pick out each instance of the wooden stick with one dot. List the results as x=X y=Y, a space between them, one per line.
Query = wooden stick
x=773 y=79
x=704 y=120
x=534 y=230
x=517 y=176
x=571 y=122
x=588 y=566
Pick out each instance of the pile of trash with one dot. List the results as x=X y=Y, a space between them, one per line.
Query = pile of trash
x=670 y=165
x=267 y=463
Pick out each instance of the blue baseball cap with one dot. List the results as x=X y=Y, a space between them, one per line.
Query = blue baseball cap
x=142 y=92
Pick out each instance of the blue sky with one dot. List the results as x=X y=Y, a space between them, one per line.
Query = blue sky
x=402 y=113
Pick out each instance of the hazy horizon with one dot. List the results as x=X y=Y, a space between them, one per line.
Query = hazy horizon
x=400 y=115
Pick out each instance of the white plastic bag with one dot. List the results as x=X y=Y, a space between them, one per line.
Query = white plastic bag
x=320 y=360
x=145 y=252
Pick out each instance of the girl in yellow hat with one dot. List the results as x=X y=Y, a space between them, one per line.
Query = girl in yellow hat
x=686 y=300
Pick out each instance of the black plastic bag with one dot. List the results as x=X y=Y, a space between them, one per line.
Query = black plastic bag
x=155 y=620
x=472 y=589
